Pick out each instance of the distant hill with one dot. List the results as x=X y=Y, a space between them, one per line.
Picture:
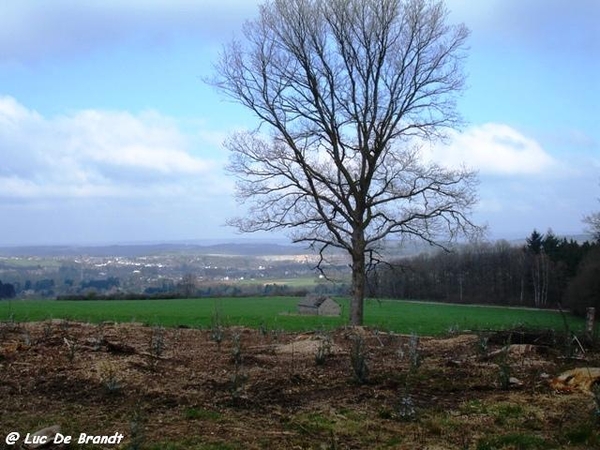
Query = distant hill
x=247 y=248
x=137 y=250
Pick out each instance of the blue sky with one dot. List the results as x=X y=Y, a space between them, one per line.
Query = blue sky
x=108 y=133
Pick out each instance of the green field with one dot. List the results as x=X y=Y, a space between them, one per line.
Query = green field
x=278 y=313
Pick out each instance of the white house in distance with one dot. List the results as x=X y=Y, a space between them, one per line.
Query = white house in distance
x=319 y=306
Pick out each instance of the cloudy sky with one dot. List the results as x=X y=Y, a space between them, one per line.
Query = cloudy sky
x=109 y=135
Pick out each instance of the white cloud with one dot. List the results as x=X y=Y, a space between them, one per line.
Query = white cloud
x=524 y=185
x=148 y=142
x=97 y=154
x=495 y=149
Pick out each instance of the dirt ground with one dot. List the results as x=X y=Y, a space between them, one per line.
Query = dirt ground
x=230 y=388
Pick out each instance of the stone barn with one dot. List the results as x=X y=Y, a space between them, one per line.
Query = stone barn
x=319 y=306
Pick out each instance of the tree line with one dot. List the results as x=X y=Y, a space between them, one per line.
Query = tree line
x=546 y=272
x=7 y=290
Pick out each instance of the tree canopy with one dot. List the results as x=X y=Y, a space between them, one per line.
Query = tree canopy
x=346 y=93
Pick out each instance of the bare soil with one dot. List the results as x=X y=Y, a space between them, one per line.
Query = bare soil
x=182 y=389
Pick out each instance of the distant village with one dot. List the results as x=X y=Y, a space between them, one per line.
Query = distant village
x=171 y=273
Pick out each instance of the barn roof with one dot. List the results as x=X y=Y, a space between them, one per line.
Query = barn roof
x=312 y=301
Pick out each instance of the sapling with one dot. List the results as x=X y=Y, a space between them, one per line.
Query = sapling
x=358 y=360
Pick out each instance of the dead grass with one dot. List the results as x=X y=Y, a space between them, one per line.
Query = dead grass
x=272 y=394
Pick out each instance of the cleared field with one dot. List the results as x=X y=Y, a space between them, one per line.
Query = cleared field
x=279 y=313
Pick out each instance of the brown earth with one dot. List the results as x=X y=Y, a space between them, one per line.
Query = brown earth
x=180 y=389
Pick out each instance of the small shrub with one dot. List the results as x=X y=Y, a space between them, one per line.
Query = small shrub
x=263 y=328
x=236 y=349
x=405 y=409
x=216 y=328
x=109 y=376
x=323 y=350
x=454 y=329
x=504 y=369
x=238 y=378
x=238 y=381
x=156 y=346
x=26 y=338
x=157 y=341
x=504 y=375
x=358 y=360
x=47 y=330
x=98 y=337
x=69 y=340
x=64 y=327
x=136 y=430
x=72 y=347
x=482 y=345
x=414 y=353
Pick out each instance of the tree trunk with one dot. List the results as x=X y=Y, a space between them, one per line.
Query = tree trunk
x=358 y=290
x=545 y=278
x=358 y=279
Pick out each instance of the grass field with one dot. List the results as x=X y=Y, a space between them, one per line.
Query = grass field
x=278 y=313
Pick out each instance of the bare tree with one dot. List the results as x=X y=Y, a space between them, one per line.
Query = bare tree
x=593 y=221
x=188 y=285
x=346 y=91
